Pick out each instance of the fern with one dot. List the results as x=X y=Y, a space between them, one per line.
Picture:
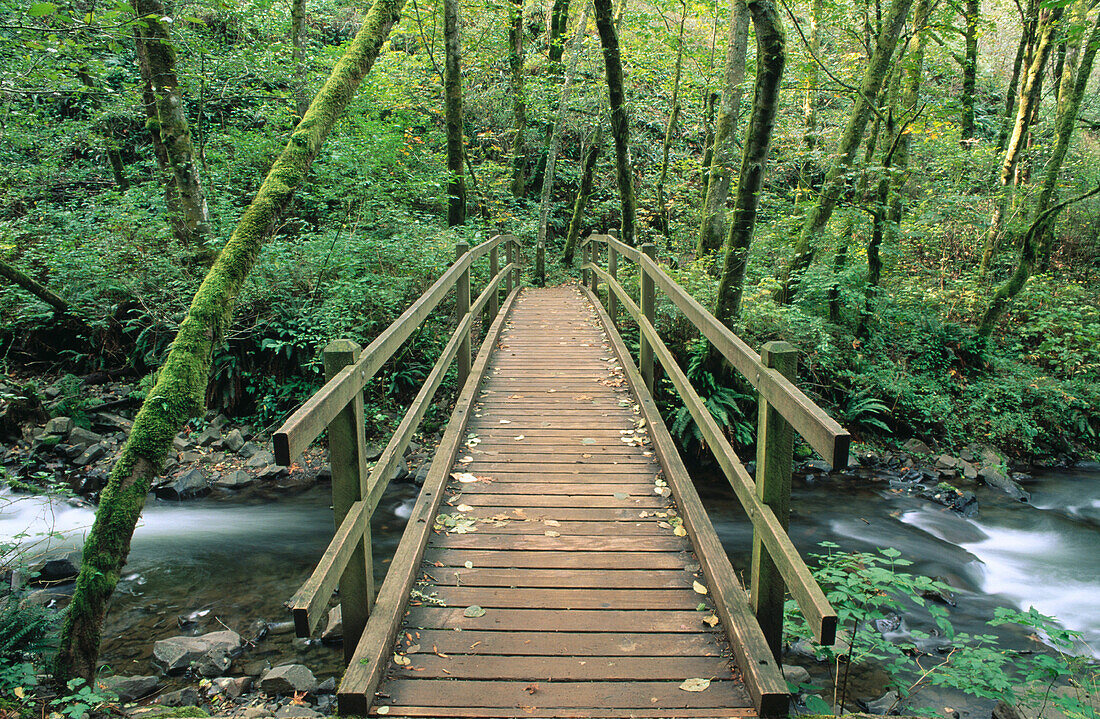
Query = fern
x=724 y=404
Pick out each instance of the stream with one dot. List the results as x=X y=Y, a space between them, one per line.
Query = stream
x=198 y=565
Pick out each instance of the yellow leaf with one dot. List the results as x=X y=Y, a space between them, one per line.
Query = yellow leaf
x=679 y=531
x=699 y=588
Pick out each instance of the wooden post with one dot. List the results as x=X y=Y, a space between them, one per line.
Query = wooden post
x=645 y=352
x=774 y=456
x=540 y=265
x=494 y=298
x=462 y=308
x=612 y=298
x=511 y=250
x=594 y=258
x=584 y=261
x=347 y=458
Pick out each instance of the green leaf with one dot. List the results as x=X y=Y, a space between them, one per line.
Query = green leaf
x=41 y=9
x=817 y=705
x=473 y=611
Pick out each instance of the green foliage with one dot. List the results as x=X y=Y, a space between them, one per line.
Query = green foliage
x=872 y=593
x=731 y=409
x=82 y=698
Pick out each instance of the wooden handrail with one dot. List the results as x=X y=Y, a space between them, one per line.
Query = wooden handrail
x=819 y=613
x=307 y=423
x=821 y=431
x=338 y=407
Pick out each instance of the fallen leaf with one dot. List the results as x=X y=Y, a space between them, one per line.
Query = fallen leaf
x=679 y=531
x=531 y=688
x=504 y=421
x=619 y=495
x=468 y=564
x=519 y=437
x=588 y=440
x=695 y=685
x=464 y=477
x=20 y=693
x=473 y=611
x=551 y=522
x=401 y=660
x=412 y=649
x=464 y=508
x=711 y=621
x=552 y=533
x=466 y=460
x=699 y=588
x=383 y=710
x=701 y=607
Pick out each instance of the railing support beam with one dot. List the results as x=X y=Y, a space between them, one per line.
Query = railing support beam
x=646 y=301
x=494 y=299
x=347 y=458
x=613 y=270
x=462 y=307
x=594 y=256
x=774 y=453
x=511 y=254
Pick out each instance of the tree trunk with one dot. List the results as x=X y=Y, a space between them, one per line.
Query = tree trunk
x=583 y=192
x=712 y=227
x=818 y=216
x=1029 y=96
x=770 y=58
x=555 y=144
x=810 y=100
x=519 y=102
x=620 y=122
x=971 y=15
x=35 y=288
x=179 y=392
x=297 y=28
x=672 y=119
x=452 y=83
x=172 y=125
x=1013 y=84
x=909 y=101
x=559 y=23
x=709 y=107
x=160 y=152
x=110 y=137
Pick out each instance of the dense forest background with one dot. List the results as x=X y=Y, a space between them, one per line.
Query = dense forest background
x=889 y=342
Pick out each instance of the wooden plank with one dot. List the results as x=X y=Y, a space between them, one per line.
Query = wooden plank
x=490 y=467
x=536 y=502
x=642 y=695
x=563 y=668
x=573 y=529
x=630 y=474
x=555 y=620
x=811 y=600
x=761 y=675
x=581 y=545
x=567 y=713
x=311 y=418
x=566 y=599
x=579 y=578
x=578 y=514
x=580 y=488
x=373 y=650
x=557 y=559
x=557 y=643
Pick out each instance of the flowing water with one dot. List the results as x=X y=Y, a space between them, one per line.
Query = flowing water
x=217 y=561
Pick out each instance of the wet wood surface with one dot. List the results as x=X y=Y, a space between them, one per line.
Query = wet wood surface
x=557 y=580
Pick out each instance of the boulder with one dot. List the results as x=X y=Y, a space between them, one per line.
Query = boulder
x=190 y=457
x=130 y=689
x=248 y=449
x=186 y=697
x=112 y=422
x=795 y=674
x=211 y=654
x=288 y=679
x=946 y=461
x=209 y=436
x=968 y=470
x=56 y=570
x=90 y=455
x=915 y=446
x=83 y=437
x=220 y=421
x=297 y=711
x=261 y=458
x=255 y=713
x=60 y=426
x=238 y=479
x=234 y=441
x=998 y=479
x=883 y=704
x=230 y=687
x=191 y=483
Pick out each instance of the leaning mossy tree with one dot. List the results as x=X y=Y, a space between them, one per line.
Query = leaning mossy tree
x=180 y=389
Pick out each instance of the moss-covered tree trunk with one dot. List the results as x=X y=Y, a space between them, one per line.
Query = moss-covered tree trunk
x=452 y=84
x=160 y=152
x=297 y=37
x=28 y=283
x=175 y=134
x=519 y=101
x=771 y=56
x=180 y=389
x=712 y=225
x=810 y=100
x=620 y=120
x=1014 y=81
x=559 y=23
x=710 y=107
x=1029 y=96
x=585 y=189
x=1037 y=242
x=673 y=117
x=971 y=16
x=106 y=128
x=817 y=218
x=909 y=102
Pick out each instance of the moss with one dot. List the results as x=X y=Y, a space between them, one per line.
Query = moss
x=181 y=384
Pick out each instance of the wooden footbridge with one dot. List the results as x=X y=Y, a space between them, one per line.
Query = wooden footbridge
x=558 y=561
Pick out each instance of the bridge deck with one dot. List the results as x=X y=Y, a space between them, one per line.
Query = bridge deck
x=557 y=581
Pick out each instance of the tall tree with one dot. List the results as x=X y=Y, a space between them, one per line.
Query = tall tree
x=519 y=102
x=297 y=38
x=835 y=180
x=1036 y=242
x=158 y=56
x=452 y=84
x=588 y=171
x=971 y=16
x=810 y=100
x=620 y=120
x=559 y=23
x=180 y=389
x=1029 y=96
x=771 y=56
x=712 y=226
x=673 y=117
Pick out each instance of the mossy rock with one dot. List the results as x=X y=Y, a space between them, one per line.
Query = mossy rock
x=157 y=712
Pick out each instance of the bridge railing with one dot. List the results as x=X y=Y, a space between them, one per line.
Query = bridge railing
x=783 y=410
x=338 y=408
